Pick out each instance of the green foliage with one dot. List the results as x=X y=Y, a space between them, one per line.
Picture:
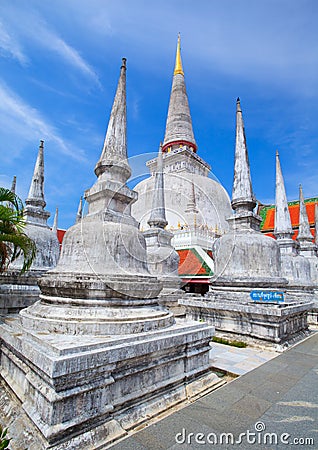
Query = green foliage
x=4 y=442
x=13 y=240
x=238 y=344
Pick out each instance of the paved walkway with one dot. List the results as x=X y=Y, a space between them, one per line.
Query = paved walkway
x=238 y=361
x=278 y=398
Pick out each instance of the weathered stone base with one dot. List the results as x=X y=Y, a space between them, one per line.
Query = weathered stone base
x=18 y=291
x=313 y=313
x=274 y=323
x=171 y=302
x=86 y=391
x=170 y=295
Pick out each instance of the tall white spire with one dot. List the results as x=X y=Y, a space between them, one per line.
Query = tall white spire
x=35 y=203
x=114 y=154
x=13 y=185
x=36 y=191
x=304 y=233
x=55 y=221
x=158 y=214
x=283 y=226
x=242 y=195
x=179 y=123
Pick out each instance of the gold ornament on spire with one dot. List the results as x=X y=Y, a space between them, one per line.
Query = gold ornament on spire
x=178 y=67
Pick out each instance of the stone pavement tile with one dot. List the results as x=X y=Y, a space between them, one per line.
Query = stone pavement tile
x=233 y=357
x=162 y=434
x=251 y=406
x=302 y=359
x=222 y=398
x=300 y=390
x=237 y=371
x=129 y=444
x=247 y=365
x=296 y=426
x=309 y=346
x=288 y=374
x=270 y=391
x=222 y=421
x=271 y=367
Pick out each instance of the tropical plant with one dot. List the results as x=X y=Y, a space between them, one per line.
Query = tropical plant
x=4 y=442
x=13 y=241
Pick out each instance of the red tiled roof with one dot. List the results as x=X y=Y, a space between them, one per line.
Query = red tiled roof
x=267 y=214
x=191 y=264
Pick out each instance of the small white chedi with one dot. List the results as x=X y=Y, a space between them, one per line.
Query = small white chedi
x=245 y=261
x=19 y=291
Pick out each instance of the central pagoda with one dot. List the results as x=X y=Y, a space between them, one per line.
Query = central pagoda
x=184 y=172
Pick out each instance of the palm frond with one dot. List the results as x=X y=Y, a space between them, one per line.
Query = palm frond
x=13 y=240
x=21 y=244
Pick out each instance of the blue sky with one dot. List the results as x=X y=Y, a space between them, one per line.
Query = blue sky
x=59 y=66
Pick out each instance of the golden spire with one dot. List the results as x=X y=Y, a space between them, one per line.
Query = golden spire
x=178 y=67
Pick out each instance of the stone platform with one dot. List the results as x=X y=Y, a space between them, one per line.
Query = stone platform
x=18 y=291
x=231 y=312
x=89 y=390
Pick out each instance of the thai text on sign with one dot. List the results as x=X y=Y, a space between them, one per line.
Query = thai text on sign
x=267 y=296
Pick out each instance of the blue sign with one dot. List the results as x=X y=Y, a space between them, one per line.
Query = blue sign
x=267 y=296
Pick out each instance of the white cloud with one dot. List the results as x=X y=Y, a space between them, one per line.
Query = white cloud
x=10 y=47
x=19 y=118
x=31 y=28
x=53 y=42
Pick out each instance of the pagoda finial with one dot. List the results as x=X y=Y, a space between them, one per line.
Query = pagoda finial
x=36 y=192
x=178 y=66
x=35 y=203
x=55 y=221
x=304 y=233
x=79 y=214
x=179 y=130
x=114 y=154
x=13 y=185
x=283 y=227
x=242 y=195
x=158 y=214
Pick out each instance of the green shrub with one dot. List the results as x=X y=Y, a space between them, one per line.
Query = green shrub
x=238 y=344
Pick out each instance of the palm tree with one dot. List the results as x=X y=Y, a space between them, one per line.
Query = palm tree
x=13 y=240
